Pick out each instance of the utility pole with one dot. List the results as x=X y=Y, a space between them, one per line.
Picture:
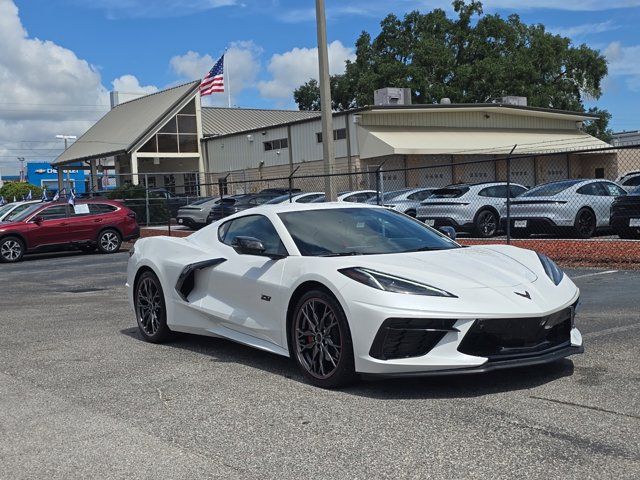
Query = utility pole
x=66 y=138
x=325 y=104
x=22 y=175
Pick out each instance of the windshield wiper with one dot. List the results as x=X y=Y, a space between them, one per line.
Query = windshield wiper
x=423 y=249
x=340 y=254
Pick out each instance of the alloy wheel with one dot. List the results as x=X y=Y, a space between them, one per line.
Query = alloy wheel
x=586 y=223
x=11 y=250
x=487 y=224
x=149 y=305
x=319 y=339
x=109 y=241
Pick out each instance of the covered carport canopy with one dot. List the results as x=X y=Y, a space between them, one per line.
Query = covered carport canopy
x=377 y=141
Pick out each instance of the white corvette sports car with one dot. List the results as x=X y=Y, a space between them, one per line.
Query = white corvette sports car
x=355 y=289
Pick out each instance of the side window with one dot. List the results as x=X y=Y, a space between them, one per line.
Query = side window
x=100 y=208
x=256 y=226
x=613 y=189
x=632 y=182
x=53 y=213
x=516 y=190
x=488 y=192
x=420 y=195
x=589 y=189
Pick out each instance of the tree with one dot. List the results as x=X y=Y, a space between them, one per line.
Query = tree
x=19 y=190
x=474 y=58
x=599 y=128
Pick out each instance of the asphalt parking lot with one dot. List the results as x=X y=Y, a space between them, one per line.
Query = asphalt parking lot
x=82 y=396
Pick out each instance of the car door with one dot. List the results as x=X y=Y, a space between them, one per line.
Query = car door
x=250 y=285
x=53 y=229
x=611 y=191
x=81 y=223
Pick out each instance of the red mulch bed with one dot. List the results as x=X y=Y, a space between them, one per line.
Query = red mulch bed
x=576 y=253
x=579 y=253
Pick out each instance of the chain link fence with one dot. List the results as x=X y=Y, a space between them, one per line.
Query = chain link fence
x=558 y=195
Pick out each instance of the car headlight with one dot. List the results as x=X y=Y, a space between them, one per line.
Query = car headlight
x=390 y=283
x=551 y=269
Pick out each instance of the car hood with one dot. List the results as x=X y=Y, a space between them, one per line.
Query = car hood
x=461 y=268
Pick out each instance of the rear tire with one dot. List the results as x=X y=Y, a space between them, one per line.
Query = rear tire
x=585 y=223
x=11 y=250
x=486 y=224
x=151 y=310
x=109 y=241
x=321 y=341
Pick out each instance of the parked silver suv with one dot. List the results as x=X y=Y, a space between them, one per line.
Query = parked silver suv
x=468 y=207
x=406 y=200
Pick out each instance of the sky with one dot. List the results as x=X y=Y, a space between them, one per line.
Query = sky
x=60 y=58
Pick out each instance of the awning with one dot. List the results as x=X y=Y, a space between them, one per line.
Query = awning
x=381 y=141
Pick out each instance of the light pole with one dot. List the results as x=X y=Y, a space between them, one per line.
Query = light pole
x=66 y=138
x=22 y=176
x=325 y=103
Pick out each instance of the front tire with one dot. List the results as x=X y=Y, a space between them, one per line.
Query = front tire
x=109 y=241
x=11 y=250
x=151 y=310
x=321 y=341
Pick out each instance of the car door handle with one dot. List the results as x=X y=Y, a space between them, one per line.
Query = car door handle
x=97 y=220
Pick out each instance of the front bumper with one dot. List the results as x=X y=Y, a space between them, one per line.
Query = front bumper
x=542 y=358
x=440 y=348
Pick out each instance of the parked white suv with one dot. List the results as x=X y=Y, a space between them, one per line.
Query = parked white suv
x=470 y=208
x=629 y=179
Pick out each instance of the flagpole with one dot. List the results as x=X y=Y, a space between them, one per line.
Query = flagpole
x=228 y=86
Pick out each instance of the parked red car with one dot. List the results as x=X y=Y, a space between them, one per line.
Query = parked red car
x=91 y=224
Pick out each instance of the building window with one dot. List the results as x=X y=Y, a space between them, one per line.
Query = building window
x=338 y=134
x=170 y=183
x=178 y=135
x=278 y=144
x=191 y=184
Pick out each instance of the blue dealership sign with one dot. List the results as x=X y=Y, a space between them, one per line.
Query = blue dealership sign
x=43 y=175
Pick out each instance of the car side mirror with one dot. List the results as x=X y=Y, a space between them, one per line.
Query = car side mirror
x=248 y=246
x=449 y=232
x=38 y=220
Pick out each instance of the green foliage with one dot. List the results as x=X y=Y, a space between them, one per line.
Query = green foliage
x=474 y=58
x=600 y=128
x=18 y=190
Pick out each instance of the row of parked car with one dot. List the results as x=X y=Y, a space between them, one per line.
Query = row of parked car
x=579 y=208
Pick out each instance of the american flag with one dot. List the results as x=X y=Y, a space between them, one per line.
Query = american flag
x=214 y=81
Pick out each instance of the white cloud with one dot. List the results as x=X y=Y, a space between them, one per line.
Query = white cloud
x=624 y=62
x=242 y=63
x=45 y=90
x=130 y=84
x=585 y=29
x=291 y=69
x=154 y=8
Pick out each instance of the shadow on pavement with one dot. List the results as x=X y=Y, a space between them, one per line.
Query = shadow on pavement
x=453 y=386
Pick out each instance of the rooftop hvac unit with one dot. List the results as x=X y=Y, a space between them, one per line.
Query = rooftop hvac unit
x=392 y=96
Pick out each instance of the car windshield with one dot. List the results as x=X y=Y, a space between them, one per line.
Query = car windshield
x=5 y=208
x=281 y=199
x=391 y=195
x=360 y=231
x=201 y=201
x=25 y=213
x=550 y=189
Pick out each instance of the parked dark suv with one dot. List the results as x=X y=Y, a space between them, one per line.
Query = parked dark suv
x=230 y=205
x=625 y=215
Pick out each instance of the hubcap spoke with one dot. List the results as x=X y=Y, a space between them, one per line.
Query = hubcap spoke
x=318 y=338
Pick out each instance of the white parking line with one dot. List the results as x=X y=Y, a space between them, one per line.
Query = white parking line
x=608 y=272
